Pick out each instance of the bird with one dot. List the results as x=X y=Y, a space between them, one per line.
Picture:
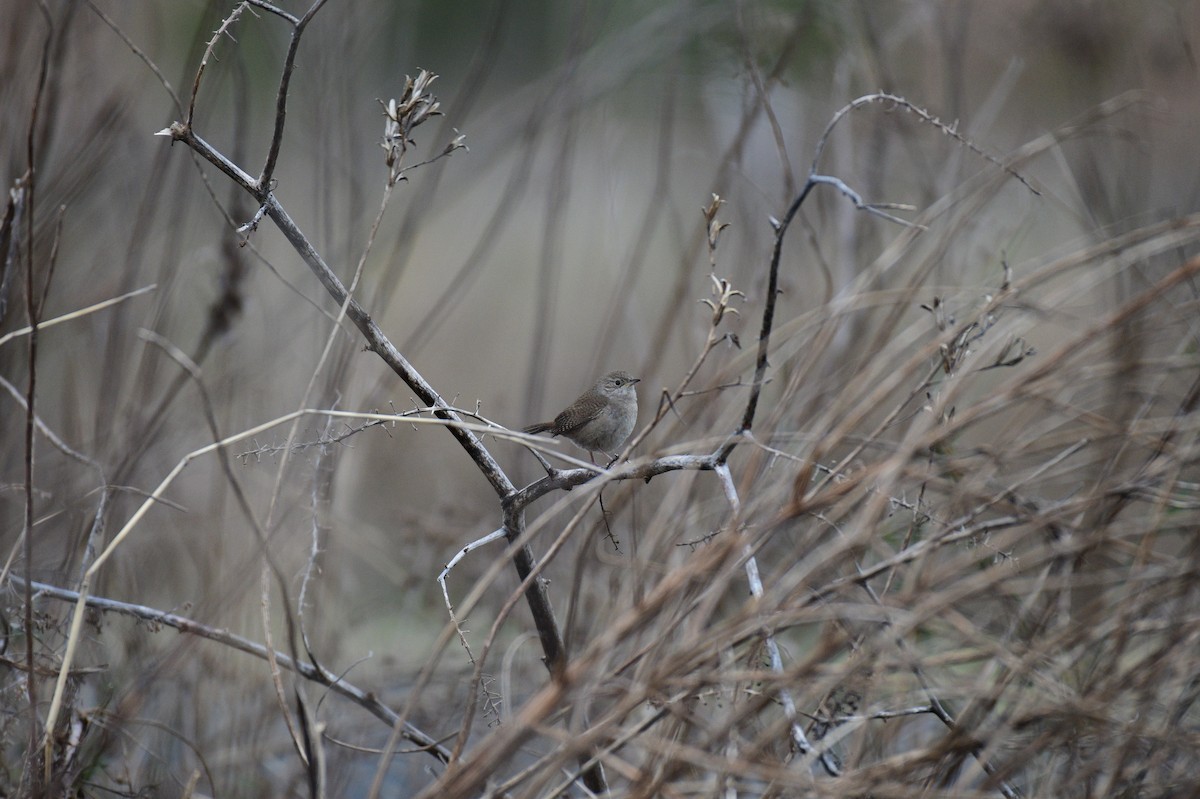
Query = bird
x=601 y=419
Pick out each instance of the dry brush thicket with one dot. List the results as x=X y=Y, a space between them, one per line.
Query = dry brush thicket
x=927 y=529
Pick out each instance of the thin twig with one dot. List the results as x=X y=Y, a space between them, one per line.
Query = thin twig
x=82 y=312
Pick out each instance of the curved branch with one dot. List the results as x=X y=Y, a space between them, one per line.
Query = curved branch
x=285 y=80
x=364 y=699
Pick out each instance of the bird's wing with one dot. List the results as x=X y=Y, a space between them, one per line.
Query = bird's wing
x=580 y=413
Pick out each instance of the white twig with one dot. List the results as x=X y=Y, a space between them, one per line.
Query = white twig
x=756 y=590
x=862 y=205
x=462 y=553
x=58 y=320
x=252 y=225
x=76 y=628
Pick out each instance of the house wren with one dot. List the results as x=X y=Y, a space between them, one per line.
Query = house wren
x=601 y=419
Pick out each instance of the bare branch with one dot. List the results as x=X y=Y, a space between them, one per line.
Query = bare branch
x=364 y=699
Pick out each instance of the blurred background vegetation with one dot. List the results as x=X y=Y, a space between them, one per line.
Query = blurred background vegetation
x=567 y=242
